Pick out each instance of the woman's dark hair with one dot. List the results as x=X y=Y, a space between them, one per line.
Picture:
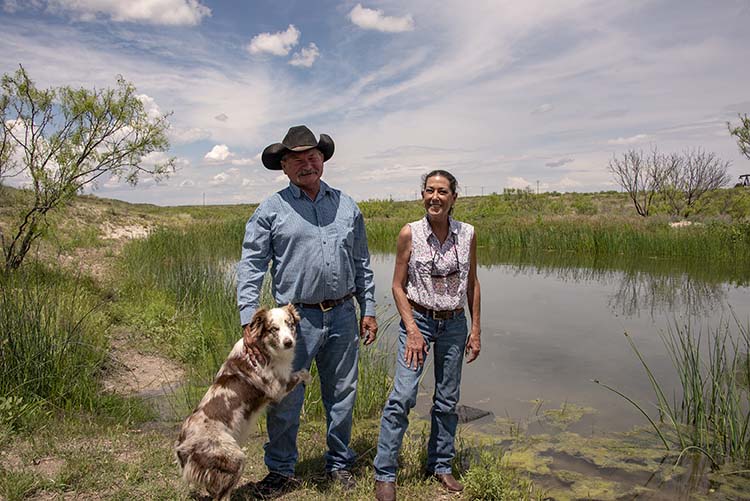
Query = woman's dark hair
x=443 y=173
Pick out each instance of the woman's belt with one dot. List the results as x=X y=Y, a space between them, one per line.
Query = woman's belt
x=327 y=304
x=435 y=314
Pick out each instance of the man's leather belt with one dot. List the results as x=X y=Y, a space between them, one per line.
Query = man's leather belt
x=328 y=304
x=435 y=314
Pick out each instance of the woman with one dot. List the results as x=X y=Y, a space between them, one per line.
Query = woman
x=436 y=269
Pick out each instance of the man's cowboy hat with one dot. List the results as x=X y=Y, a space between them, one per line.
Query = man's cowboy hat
x=299 y=138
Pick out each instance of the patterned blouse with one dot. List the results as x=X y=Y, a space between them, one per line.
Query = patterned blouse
x=438 y=274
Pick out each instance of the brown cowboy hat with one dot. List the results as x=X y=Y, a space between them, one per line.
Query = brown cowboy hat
x=299 y=138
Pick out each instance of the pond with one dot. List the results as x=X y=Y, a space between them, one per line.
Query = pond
x=551 y=325
x=549 y=329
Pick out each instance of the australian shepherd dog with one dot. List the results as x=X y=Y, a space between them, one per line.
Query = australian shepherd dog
x=208 y=448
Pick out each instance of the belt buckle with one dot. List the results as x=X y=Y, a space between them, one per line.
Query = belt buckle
x=441 y=315
x=324 y=309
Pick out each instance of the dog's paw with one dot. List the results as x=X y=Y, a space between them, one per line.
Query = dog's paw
x=303 y=376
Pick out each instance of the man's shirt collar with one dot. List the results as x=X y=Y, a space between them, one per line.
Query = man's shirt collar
x=297 y=191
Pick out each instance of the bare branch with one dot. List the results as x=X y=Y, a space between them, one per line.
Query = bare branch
x=640 y=176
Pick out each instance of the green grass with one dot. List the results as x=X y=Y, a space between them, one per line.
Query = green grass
x=492 y=479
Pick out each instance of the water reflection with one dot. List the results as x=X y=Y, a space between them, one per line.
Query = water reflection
x=653 y=286
x=640 y=292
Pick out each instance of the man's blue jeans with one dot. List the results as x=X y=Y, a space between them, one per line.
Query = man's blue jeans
x=331 y=338
x=447 y=339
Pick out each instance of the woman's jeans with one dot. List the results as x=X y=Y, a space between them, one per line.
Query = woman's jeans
x=330 y=338
x=447 y=339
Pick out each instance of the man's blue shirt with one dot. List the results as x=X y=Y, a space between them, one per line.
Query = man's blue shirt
x=317 y=250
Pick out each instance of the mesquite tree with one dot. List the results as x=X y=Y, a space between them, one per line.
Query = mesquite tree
x=60 y=140
x=691 y=176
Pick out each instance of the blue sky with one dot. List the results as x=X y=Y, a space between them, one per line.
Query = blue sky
x=501 y=93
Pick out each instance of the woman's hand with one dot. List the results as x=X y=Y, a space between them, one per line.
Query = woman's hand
x=473 y=346
x=416 y=349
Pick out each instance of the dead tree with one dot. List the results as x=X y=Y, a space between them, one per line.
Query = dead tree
x=640 y=175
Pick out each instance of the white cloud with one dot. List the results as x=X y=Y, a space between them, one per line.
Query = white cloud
x=218 y=153
x=545 y=108
x=187 y=183
x=305 y=57
x=278 y=44
x=567 y=184
x=188 y=135
x=516 y=182
x=220 y=178
x=149 y=105
x=221 y=153
x=221 y=117
x=243 y=161
x=167 y=12
x=638 y=138
x=228 y=177
x=156 y=158
x=372 y=19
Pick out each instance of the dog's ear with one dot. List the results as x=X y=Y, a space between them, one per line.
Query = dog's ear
x=292 y=311
x=259 y=321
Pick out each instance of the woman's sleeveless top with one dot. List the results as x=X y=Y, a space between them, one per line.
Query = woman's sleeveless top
x=438 y=274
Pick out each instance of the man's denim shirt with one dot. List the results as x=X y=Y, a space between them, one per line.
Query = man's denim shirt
x=317 y=249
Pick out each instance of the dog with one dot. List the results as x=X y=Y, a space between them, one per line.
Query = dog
x=208 y=447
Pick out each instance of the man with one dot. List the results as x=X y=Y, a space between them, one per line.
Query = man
x=314 y=238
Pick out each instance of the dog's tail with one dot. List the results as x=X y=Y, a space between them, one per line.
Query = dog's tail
x=214 y=465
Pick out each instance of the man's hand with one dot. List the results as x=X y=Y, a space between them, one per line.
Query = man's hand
x=473 y=347
x=368 y=329
x=252 y=352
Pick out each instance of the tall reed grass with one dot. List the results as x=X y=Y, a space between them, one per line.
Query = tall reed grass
x=53 y=345
x=597 y=236
x=711 y=414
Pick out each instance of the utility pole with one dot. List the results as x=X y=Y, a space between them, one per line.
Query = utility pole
x=537 y=186
x=204 y=199
x=482 y=190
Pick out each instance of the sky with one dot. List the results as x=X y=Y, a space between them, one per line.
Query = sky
x=503 y=93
